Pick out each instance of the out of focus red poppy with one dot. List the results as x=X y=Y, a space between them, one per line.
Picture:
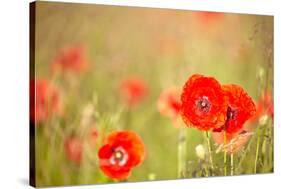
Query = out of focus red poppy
x=45 y=100
x=209 y=17
x=204 y=104
x=71 y=59
x=122 y=151
x=240 y=108
x=264 y=106
x=73 y=148
x=133 y=90
x=234 y=141
x=169 y=103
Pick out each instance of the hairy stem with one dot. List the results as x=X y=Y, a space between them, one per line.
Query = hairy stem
x=224 y=155
x=257 y=151
x=181 y=153
x=231 y=164
x=210 y=150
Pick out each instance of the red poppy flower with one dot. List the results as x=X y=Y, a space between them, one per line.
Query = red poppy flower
x=169 y=103
x=240 y=108
x=264 y=106
x=204 y=105
x=133 y=90
x=72 y=59
x=73 y=148
x=234 y=141
x=209 y=17
x=122 y=151
x=44 y=101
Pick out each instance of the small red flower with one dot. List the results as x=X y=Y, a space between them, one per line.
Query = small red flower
x=122 y=151
x=204 y=104
x=44 y=100
x=169 y=103
x=234 y=141
x=72 y=59
x=73 y=149
x=133 y=90
x=240 y=108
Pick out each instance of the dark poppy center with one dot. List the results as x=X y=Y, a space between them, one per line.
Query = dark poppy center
x=231 y=113
x=203 y=104
x=119 y=156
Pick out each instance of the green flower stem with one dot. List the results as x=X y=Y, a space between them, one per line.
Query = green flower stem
x=267 y=143
x=271 y=145
x=128 y=118
x=257 y=151
x=224 y=155
x=265 y=148
x=181 y=153
x=210 y=149
x=231 y=164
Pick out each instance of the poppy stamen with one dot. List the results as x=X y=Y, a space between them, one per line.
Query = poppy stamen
x=204 y=104
x=119 y=157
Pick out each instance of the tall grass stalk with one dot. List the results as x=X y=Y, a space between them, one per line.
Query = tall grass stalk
x=224 y=154
x=207 y=134
x=231 y=164
x=182 y=152
x=257 y=151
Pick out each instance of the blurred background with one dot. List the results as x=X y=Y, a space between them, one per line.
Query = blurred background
x=160 y=47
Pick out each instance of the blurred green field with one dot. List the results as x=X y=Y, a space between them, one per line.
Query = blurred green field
x=164 y=47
